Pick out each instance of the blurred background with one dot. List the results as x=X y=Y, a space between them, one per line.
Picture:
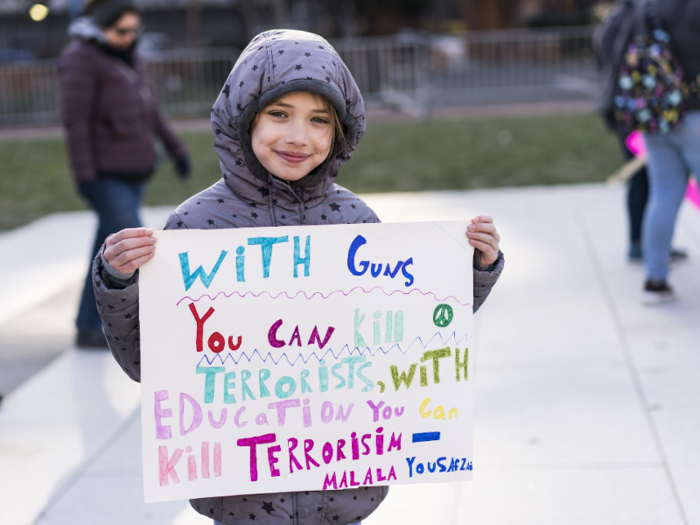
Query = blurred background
x=480 y=64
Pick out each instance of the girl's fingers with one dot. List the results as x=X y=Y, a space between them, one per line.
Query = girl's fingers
x=128 y=233
x=486 y=228
x=115 y=252
x=136 y=263
x=126 y=257
x=485 y=238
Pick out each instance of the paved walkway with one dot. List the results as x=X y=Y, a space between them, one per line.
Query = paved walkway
x=587 y=403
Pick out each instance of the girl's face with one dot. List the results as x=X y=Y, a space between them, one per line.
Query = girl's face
x=293 y=135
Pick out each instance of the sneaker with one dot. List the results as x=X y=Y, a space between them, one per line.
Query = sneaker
x=91 y=340
x=657 y=291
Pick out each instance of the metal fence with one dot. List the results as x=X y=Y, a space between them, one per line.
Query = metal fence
x=413 y=72
x=186 y=83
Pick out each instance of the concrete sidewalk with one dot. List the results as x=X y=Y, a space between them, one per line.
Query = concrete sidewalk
x=587 y=402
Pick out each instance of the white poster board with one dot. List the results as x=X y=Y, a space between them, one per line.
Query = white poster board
x=306 y=358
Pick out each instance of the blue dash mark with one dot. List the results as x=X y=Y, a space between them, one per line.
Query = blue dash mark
x=426 y=436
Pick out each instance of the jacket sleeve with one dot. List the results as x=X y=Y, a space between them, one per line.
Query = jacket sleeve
x=78 y=84
x=485 y=278
x=119 y=309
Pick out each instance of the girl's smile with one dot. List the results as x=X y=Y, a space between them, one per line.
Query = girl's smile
x=291 y=156
x=293 y=135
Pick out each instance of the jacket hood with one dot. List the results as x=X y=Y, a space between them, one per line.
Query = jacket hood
x=84 y=28
x=273 y=64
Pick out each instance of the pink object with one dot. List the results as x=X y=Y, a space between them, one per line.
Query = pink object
x=635 y=143
x=693 y=192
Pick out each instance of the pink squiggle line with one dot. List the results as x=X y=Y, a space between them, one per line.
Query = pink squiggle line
x=319 y=293
x=366 y=350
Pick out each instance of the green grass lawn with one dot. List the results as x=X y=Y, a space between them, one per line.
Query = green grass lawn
x=406 y=155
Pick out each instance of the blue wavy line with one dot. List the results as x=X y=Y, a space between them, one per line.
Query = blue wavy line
x=238 y=357
x=302 y=292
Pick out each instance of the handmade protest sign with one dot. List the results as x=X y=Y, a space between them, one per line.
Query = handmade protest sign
x=306 y=358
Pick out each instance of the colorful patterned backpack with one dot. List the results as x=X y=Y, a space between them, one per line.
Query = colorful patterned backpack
x=650 y=93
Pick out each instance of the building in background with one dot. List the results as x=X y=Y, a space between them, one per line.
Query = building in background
x=231 y=23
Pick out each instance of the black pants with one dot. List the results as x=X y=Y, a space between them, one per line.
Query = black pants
x=637 y=196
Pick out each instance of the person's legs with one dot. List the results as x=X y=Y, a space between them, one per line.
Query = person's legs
x=637 y=196
x=668 y=177
x=116 y=204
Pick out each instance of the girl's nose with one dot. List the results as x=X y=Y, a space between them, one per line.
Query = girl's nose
x=296 y=134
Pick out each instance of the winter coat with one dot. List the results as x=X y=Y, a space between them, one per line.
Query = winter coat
x=274 y=63
x=108 y=111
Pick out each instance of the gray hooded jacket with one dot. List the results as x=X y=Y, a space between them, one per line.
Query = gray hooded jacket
x=273 y=64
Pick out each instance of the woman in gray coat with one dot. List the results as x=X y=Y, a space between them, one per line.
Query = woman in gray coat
x=288 y=117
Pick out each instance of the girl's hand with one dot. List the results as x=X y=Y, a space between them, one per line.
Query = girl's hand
x=483 y=236
x=130 y=249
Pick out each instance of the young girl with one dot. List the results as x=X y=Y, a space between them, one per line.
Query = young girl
x=288 y=117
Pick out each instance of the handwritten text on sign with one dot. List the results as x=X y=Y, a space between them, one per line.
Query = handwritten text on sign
x=306 y=358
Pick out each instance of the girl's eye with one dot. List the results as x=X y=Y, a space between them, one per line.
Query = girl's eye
x=319 y=120
x=276 y=114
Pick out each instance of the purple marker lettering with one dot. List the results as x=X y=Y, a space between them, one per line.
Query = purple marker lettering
x=222 y=420
x=375 y=410
x=295 y=336
x=380 y=441
x=365 y=437
x=327 y=453
x=271 y=459
x=196 y=414
x=281 y=407
x=236 y=418
x=162 y=431
x=253 y=442
x=343 y=416
x=307 y=414
x=339 y=450
x=272 y=335
x=355 y=446
x=308 y=445
x=327 y=412
x=292 y=443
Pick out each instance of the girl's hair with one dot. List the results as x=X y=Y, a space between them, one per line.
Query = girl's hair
x=338 y=128
x=105 y=13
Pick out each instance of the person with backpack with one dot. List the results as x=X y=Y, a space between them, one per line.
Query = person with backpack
x=111 y=121
x=673 y=145
x=609 y=53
